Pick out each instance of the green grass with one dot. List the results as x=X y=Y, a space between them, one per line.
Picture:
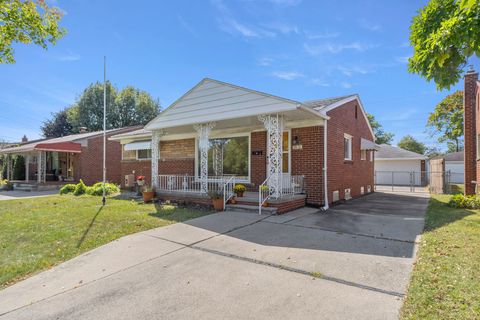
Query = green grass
x=36 y=234
x=446 y=279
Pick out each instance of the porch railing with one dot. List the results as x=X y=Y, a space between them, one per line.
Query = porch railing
x=291 y=185
x=228 y=190
x=191 y=184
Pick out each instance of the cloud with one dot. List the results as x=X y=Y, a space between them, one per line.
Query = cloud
x=336 y=47
x=402 y=59
x=187 y=26
x=288 y=75
x=265 y=62
x=350 y=71
x=283 y=28
x=319 y=82
x=368 y=25
x=323 y=35
x=346 y=85
x=69 y=56
x=286 y=3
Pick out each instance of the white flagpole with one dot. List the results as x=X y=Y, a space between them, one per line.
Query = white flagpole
x=104 y=124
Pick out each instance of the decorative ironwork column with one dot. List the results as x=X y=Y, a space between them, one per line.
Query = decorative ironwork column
x=203 y=132
x=274 y=126
x=218 y=158
x=155 y=156
x=41 y=166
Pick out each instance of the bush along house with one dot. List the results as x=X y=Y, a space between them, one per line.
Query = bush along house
x=287 y=153
x=50 y=163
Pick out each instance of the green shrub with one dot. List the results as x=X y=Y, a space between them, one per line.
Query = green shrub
x=80 y=188
x=465 y=202
x=5 y=185
x=68 y=188
x=97 y=189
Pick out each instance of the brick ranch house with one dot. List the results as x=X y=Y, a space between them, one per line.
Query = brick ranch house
x=50 y=163
x=218 y=134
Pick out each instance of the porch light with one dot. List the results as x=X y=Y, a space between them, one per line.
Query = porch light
x=295 y=141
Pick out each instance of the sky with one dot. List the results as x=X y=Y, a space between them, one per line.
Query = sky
x=301 y=50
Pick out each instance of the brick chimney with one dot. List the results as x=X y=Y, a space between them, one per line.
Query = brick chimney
x=24 y=139
x=470 y=130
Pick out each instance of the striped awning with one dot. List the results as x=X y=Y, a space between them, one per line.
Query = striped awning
x=138 y=145
x=60 y=147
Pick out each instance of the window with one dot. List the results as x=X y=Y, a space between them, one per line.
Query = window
x=286 y=152
x=144 y=154
x=363 y=154
x=347 y=147
x=128 y=154
x=228 y=156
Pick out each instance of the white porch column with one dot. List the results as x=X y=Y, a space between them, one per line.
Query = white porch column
x=41 y=166
x=274 y=126
x=155 y=156
x=203 y=131
x=27 y=167
x=218 y=159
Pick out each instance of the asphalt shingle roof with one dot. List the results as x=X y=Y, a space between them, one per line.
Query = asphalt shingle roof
x=391 y=152
x=322 y=103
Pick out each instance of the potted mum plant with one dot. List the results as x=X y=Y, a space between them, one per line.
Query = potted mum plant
x=141 y=180
x=148 y=193
x=217 y=200
x=239 y=189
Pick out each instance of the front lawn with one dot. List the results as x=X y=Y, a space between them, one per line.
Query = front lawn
x=36 y=234
x=446 y=280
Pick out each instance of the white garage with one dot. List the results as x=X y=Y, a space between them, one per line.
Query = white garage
x=397 y=166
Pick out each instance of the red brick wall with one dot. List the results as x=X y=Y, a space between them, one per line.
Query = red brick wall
x=258 y=163
x=348 y=174
x=308 y=161
x=470 y=131
x=88 y=164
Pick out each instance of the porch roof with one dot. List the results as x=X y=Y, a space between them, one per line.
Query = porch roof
x=213 y=101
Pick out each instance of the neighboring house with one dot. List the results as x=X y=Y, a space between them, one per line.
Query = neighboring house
x=68 y=158
x=218 y=132
x=471 y=131
x=454 y=165
x=397 y=166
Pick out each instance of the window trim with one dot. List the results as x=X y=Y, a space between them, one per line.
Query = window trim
x=346 y=136
x=225 y=136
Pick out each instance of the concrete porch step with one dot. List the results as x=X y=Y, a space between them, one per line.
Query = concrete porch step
x=250 y=208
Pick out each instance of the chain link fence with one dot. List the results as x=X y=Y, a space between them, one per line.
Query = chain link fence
x=418 y=181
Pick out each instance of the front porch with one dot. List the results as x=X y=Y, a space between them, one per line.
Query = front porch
x=22 y=185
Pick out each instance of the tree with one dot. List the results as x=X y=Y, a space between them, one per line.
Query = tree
x=19 y=168
x=58 y=126
x=444 y=34
x=411 y=144
x=129 y=107
x=27 y=22
x=381 y=137
x=447 y=120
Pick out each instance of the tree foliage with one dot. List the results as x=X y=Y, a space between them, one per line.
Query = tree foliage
x=411 y=144
x=447 y=120
x=27 y=22
x=381 y=137
x=58 y=126
x=444 y=34
x=127 y=107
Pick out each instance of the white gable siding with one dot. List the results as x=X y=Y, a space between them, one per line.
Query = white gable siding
x=211 y=101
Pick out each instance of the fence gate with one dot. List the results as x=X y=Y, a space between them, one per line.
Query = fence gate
x=419 y=181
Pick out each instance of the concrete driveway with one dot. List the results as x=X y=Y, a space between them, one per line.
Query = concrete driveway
x=353 y=263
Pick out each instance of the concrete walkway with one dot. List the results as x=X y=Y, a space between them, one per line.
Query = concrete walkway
x=15 y=195
x=353 y=263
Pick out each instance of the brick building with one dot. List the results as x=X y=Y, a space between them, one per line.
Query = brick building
x=471 y=125
x=50 y=162
x=286 y=152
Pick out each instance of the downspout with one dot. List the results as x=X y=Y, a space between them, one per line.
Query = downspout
x=325 y=156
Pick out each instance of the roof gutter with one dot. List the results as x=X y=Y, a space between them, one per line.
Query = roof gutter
x=325 y=172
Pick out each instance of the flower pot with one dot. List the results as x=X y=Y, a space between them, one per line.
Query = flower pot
x=217 y=204
x=240 y=194
x=141 y=182
x=233 y=201
x=265 y=204
x=148 y=196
